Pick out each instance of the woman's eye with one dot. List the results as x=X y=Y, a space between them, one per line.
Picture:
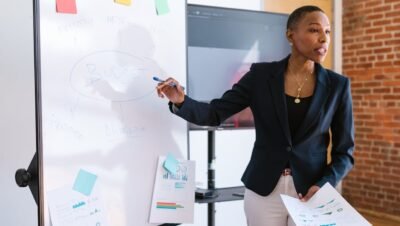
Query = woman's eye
x=327 y=32
x=313 y=30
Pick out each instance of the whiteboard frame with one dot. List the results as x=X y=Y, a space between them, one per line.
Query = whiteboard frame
x=38 y=108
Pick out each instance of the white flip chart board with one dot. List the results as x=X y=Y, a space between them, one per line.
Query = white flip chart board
x=99 y=108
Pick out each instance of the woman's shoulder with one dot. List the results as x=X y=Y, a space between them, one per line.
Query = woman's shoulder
x=336 y=77
x=267 y=66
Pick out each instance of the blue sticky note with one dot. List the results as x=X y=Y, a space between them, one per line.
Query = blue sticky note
x=171 y=164
x=84 y=182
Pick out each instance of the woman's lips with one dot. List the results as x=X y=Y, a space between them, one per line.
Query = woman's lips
x=321 y=51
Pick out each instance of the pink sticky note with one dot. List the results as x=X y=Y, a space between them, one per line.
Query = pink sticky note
x=66 y=6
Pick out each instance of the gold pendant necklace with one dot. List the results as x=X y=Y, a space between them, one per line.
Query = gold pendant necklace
x=300 y=87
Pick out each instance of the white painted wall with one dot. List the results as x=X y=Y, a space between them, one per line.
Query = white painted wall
x=337 y=38
x=17 y=115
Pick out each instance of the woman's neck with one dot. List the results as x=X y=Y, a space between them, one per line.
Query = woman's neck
x=300 y=64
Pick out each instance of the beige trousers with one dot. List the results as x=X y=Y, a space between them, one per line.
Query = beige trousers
x=269 y=210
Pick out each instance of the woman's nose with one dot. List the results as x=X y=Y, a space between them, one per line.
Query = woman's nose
x=323 y=37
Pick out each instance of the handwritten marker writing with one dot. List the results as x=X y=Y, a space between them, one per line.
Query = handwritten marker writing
x=170 y=84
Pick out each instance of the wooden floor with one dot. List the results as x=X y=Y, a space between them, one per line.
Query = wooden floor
x=379 y=221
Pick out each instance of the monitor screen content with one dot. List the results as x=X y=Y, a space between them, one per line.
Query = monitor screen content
x=222 y=45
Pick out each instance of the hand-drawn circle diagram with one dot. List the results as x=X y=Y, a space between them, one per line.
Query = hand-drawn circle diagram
x=114 y=75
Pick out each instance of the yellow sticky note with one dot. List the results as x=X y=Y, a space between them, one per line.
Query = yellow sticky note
x=123 y=2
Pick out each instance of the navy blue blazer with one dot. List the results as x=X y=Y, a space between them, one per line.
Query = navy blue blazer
x=262 y=88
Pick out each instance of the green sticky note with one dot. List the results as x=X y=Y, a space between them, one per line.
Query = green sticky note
x=162 y=7
x=84 y=182
x=171 y=164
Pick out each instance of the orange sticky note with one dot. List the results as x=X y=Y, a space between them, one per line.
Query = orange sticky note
x=123 y=2
x=66 y=6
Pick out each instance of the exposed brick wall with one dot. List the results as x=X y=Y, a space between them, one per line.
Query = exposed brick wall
x=371 y=58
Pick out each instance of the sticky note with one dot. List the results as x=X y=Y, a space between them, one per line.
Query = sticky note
x=66 y=6
x=123 y=2
x=162 y=7
x=84 y=182
x=171 y=164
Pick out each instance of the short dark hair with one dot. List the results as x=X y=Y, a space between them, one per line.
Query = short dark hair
x=299 y=13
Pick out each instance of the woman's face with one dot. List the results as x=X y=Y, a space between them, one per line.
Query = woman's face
x=310 y=36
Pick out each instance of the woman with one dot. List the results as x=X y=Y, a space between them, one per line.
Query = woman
x=295 y=102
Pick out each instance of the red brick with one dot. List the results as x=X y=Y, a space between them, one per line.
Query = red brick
x=392 y=70
x=374 y=16
x=383 y=64
x=373 y=30
x=382 y=8
x=364 y=65
x=391 y=83
x=381 y=22
x=381 y=77
x=363 y=38
x=393 y=42
x=383 y=50
x=355 y=46
x=391 y=1
x=374 y=44
x=396 y=20
x=391 y=14
x=383 y=36
x=392 y=28
x=373 y=123
x=373 y=3
x=381 y=90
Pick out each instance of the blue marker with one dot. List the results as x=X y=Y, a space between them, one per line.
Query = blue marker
x=170 y=84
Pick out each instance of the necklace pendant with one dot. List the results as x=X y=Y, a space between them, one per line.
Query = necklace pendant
x=297 y=100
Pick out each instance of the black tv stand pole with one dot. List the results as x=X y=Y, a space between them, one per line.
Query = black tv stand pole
x=211 y=174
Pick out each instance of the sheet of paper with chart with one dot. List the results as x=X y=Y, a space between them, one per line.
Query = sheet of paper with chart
x=77 y=205
x=68 y=207
x=326 y=208
x=173 y=194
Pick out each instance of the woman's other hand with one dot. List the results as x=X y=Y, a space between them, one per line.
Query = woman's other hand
x=313 y=189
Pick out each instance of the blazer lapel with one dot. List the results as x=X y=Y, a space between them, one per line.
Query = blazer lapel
x=320 y=96
x=277 y=86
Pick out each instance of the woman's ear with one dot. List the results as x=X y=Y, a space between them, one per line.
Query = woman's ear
x=289 y=36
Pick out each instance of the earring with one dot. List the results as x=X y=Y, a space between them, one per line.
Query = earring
x=290 y=43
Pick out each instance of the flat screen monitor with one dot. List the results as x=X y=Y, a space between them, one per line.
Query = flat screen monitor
x=222 y=45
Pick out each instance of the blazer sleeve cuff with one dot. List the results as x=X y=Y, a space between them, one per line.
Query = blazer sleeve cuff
x=173 y=108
